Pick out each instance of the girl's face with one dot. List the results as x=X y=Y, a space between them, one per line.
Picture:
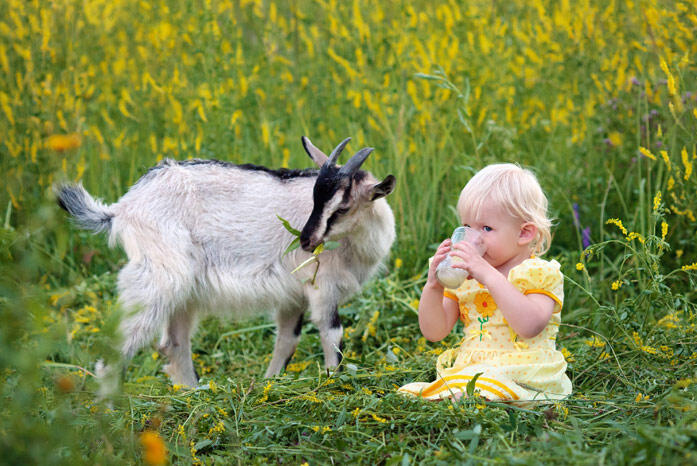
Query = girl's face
x=507 y=239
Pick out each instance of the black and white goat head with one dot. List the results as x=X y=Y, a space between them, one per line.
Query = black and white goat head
x=203 y=236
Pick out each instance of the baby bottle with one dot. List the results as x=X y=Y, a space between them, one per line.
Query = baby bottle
x=449 y=276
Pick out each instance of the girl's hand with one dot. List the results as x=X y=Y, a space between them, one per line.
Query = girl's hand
x=441 y=253
x=472 y=261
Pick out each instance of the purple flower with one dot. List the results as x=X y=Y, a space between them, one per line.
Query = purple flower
x=577 y=215
x=635 y=81
x=586 y=237
x=585 y=232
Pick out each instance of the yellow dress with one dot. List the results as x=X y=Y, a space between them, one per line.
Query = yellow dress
x=515 y=369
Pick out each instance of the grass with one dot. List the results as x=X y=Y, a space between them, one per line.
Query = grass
x=597 y=98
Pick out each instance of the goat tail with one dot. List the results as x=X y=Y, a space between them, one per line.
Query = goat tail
x=89 y=213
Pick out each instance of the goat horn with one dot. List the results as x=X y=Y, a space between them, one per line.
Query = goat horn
x=356 y=161
x=337 y=150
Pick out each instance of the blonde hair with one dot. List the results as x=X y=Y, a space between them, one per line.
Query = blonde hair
x=516 y=191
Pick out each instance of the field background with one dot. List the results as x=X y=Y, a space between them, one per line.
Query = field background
x=597 y=97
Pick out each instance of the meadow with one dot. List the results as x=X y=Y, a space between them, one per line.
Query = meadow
x=599 y=98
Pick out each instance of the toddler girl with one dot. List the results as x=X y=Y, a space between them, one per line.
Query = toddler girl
x=510 y=304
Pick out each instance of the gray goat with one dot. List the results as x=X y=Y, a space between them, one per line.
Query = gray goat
x=203 y=235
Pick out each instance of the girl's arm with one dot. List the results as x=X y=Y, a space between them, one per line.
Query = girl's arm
x=437 y=314
x=527 y=315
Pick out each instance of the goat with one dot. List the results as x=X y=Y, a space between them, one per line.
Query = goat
x=201 y=235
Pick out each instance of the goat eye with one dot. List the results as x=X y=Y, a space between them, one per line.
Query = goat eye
x=342 y=211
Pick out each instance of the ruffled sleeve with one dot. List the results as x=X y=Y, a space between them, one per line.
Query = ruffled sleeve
x=538 y=276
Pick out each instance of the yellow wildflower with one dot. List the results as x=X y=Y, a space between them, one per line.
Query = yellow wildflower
x=218 y=428
x=692 y=266
x=640 y=397
x=311 y=397
x=297 y=366
x=686 y=163
x=397 y=263
x=154 y=450
x=646 y=153
x=378 y=418
x=684 y=383
x=657 y=201
x=664 y=229
x=634 y=235
x=669 y=321
x=666 y=159
x=567 y=355
x=63 y=142
x=580 y=266
x=616 y=285
x=615 y=138
x=595 y=342
x=617 y=222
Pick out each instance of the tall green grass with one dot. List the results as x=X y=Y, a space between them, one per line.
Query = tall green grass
x=440 y=89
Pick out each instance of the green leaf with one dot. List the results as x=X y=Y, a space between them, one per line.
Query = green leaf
x=295 y=244
x=286 y=225
x=472 y=383
x=202 y=444
x=329 y=245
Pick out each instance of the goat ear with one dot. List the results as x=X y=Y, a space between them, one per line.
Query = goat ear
x=317 y=156
x=383 y=188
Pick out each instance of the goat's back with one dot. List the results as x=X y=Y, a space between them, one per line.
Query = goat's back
x=218 y=204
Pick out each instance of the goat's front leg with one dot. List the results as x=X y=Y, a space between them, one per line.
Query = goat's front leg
x=325 y=314
x=289 y=325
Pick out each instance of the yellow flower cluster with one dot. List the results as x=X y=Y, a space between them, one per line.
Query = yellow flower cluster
x=370 y=328
x=321 y=429
x=218 y=428
x=595 y=342
x=657 y=201
x=298 y=366
x=618 y=223
x=267 y=389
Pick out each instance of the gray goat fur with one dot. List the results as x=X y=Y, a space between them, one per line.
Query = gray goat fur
x=203 y=236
